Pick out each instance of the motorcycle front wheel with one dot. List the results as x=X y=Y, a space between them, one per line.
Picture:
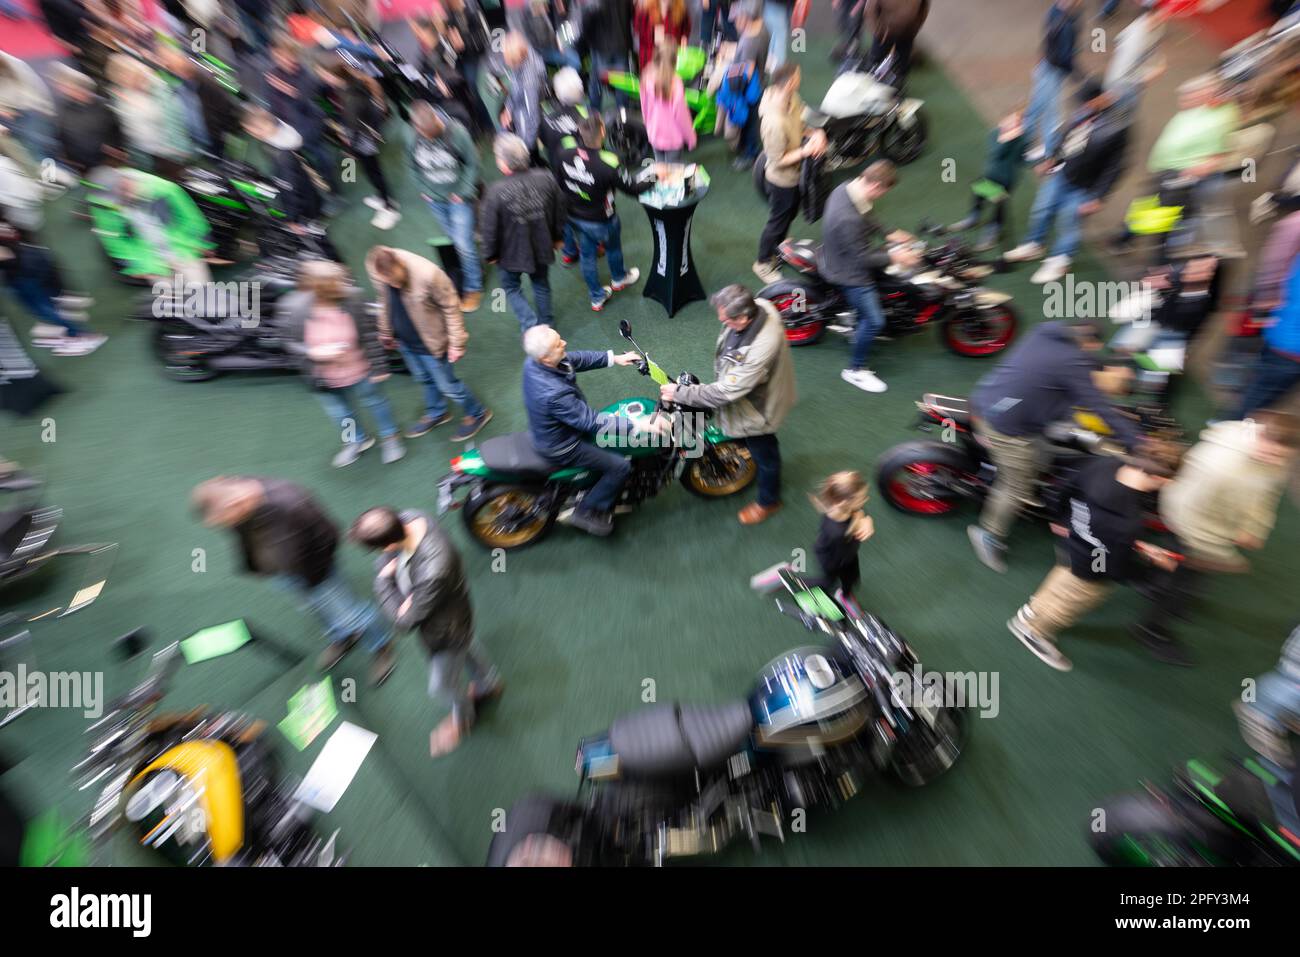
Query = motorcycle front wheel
x=927 y=751
x=507 y=516
x=175 y=347
x=924 y=478
x=724 y=469
x=978 y=333
x=800 y=309
x=902 y=144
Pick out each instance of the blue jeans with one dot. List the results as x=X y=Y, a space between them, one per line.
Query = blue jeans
x=613 y=468
x=563 y=58
x=341 y=612
x=718 y=15
x=1043 y=115
x=447 y=684
x=589 y=234
x=511 y=282
x=570 y=248
x=776 y=17
x=457 y=221
x=439 y=380
x=595 y=88
x=871 y=319
x=766 y=452
x=35 y=298
x=1275 y=376
x=339 y=405
x=1058 y=201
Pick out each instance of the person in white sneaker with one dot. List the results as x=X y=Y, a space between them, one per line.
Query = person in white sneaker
x=1077 y=178
x=850 y=255
x=360 y=127
x=345 y=360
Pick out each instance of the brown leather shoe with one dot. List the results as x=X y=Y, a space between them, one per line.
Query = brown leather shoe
x=471 y=301
x=753 y=513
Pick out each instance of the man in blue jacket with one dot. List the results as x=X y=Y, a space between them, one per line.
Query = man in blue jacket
x=1278 y=368
x=1060 y=42
x=562 y=424
x=1038 y=384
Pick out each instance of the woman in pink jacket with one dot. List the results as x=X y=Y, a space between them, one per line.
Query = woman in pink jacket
x=663 y=106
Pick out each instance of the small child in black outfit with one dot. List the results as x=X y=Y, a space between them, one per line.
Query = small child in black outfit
x=845 y=526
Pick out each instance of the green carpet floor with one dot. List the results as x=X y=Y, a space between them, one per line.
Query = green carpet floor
x=578 y=624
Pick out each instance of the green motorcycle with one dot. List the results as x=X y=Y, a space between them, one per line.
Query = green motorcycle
x=515 y=495
x=691 y=63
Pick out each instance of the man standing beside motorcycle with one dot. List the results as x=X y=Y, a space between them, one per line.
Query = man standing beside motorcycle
x=754 y=390
x=1046 y=375
x=561 y=423
x=849 y=257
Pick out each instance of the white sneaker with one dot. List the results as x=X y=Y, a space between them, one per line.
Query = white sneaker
x=1024 y=252
x=82 y=345
x=48 y=330
x=1036 y=155
x=630 y=279
x=391 y=450
x=767 y=271
x=864 y=379
x=385 y=218
x=374 y=202
x=1053 y=269
x=350 y=453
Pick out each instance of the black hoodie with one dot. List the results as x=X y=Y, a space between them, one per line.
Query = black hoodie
x=1104 y=518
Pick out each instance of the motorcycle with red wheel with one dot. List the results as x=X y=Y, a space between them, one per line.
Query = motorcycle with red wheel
x=944 y=291
x=929 y=477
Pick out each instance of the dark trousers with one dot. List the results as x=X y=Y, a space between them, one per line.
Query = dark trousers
x=375 y=173
x=767 y=456
x=1172 y=594
x=902 y=50
x=613 y=468
x=999 y=209
x=1275 y=375
x=782 y=208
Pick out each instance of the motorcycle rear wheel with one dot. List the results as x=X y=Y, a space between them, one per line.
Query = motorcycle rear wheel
x=506 y=516
x=983 y=335
x=902 y=144
x=179 y=364
x=1140 y=830
x=917 y=477
x=724 y=469
x=803 y=324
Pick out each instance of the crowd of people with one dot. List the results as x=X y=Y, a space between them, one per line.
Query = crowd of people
x=135 y=104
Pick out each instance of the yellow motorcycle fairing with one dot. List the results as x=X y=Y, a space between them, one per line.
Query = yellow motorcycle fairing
x=212 y=770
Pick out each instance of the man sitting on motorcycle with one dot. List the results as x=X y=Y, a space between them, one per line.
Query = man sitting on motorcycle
x=1038 y=384
x=849 y=257
x=562 y=424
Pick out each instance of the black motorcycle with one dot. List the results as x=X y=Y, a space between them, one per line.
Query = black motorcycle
x=673 y=781
x=865 y=114
x=27 y=528
x=974 y=321
x=929 y=477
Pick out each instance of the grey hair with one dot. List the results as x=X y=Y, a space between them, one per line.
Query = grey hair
x=511 y=152
x=735 y=302
x=538 y=341
x=67 y=75
x=568 y=86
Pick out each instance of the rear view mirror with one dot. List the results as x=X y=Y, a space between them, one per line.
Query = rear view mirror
x=625 y=329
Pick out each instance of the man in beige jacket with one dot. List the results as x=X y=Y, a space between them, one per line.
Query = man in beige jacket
x=1224 y=498
x=419 y=315
x=754 y=390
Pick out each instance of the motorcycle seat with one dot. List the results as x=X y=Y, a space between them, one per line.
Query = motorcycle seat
x=514 y=453
x=671 y=739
